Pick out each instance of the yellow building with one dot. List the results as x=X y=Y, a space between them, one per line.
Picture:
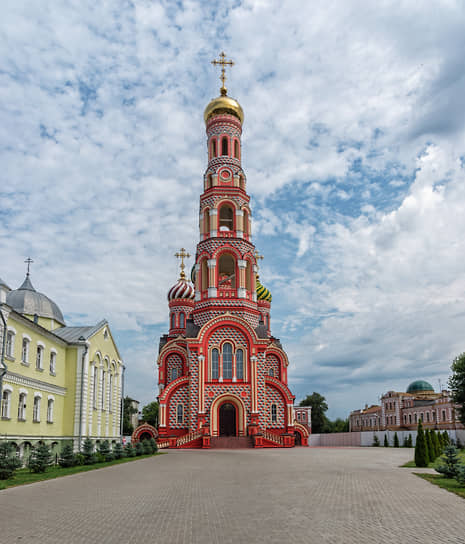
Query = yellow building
x=62 y=384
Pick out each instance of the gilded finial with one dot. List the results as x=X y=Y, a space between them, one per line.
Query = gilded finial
x=223 y=62
x=182 y=254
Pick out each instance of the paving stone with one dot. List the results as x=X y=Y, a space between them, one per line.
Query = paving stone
x=303 y=495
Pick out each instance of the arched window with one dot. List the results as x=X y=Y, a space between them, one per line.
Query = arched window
x=173 y=320
x=271 y=372
x=416 y=419
x=226 y=217
x=180 y=413
x=240 y=364
x=213 y=149
x=6 y=400
x=10 y=342
x=50 y=406
x=274 y=413
x=248 y=277
x=245 y=220
x=36 y=410
x=444 y=415
x=215 y=364
x=182 y=320
x=174 y=374
x=206 y=222
x=227 y=361
x=227 y=271
x=204 y=278
x=110 y=391
x=102 y=405
x=25 y=351
x=410 y=418
x=94 y=386
x=224 y=146
x=53 y=362
x=22 y=407
x=39 y=358
x=236 y=149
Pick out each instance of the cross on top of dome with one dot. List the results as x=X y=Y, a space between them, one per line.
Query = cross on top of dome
x=182 y=254
x=223 y=63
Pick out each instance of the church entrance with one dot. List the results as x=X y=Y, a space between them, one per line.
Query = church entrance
x=227 y=417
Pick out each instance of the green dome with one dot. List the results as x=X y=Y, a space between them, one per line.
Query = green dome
x=419 y=386
x=262 y=292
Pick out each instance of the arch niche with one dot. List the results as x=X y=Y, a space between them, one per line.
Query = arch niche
x=220 y=409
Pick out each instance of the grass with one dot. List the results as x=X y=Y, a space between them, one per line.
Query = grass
x=411 y=464
x=24 y=476
x=446 y=483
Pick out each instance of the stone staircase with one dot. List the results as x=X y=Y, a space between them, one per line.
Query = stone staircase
x=231 y=442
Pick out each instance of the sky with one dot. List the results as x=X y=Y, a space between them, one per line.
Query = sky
x=353 y=146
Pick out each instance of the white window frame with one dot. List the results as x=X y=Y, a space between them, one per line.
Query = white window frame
x=40 y=356
x=180 y=413
x=22 y=406
x=10 y=343
x=25 y=348
x=53 y=362
x=110 y=391
x=95 y=387
x=6 y=402
x=36 y=407
x=102 y=404
x=50 y=408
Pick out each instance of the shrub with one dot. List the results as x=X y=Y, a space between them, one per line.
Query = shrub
x=445 y=438
x=79 y=458
x=459 y=443
x=129 y=450
x=451 y=462
x=105 y=452
x=405 y=442
x=8 y=461
x=153 y=445
x=429 y=446
x=386 y=443
x=139 y=448
x=88 y=452
x=376 y=441
x=40 y=458
x=436 y=444
x=410 y=441
x=421 y=453
x=460 y=474
x=118 y=451
x=67 y=458
x=396 y=440
x=147 y=448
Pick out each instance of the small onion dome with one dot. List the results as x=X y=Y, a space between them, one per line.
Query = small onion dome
x=420 y=386
x=181 y=289
x=223 y=104
x=262 y=292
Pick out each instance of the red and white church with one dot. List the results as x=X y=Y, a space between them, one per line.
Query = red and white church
x=222 y=374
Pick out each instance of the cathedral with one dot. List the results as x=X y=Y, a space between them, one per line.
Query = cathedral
x=222 y=374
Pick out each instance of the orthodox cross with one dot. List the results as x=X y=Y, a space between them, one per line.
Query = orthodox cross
x=257 y=257
x=28 y=261
x=182 y=254
x=223 y=62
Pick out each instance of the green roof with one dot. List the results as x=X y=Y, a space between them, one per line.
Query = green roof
x=419 y=385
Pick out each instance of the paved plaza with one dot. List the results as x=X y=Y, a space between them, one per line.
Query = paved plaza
x=303 y=495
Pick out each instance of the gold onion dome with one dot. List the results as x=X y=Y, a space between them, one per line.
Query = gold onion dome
x=223 y=104
x=262 y=292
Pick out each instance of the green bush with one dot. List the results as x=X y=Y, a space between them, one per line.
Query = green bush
x=153 y=445
x=429 y=445
x=79 y=459
x=129 y=450
x=40 y=458
x=139 y=448
x=421 y=453
x=460 y=474
x=436 y=444
x=386 y=442
x=105 y=451
x=147 y=448
x=445 y=438
x=459 y=444
x=376 y=441
x=396 y=440
x=118 y=451
x=88 y=452
x=67 y=458
x=410 y=441
x=8 y=461
x=451 y=462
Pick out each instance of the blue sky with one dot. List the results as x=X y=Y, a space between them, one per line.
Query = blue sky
x=353 y=146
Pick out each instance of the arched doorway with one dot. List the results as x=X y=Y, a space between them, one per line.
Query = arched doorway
x=298 y=438
x=145 y=436
x=227 y=420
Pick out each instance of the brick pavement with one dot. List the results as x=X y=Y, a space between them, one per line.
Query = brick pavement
x=304 y=495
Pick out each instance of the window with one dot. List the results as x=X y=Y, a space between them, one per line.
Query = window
x=444 y=415
x=227 y=271
x=94 y=386
x=274 y=413
x=410 y=418
x=182 y=320
x=174 y=374
x=36 y=410
x=110 y=391
x=173 y=321
x=270 y=372
x=236 y=149
x=240 y=364
x=245 y=221
x=22 y=407
x=25 y=351
x=6 y=399
x=179 y=413
x=224 y=146
x=215 y=364
x=53 y=362
x=427 y=416
x=227 y=361
x=102 y=404
x=416 y=418
x=226 y=218
x=39 y=358
x=213 y=148
x=206 y=222
x=298 y=416
x=10 y=339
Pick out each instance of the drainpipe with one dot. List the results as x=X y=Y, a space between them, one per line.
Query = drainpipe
x=3 y=367
x=122 y=404
x=86 y=348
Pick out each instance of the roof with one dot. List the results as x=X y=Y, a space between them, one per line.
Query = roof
x=418 y=386
x=27 y=301
x=3 y=284
x=75 y=334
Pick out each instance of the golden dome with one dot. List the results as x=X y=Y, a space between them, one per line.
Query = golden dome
x=224 y=104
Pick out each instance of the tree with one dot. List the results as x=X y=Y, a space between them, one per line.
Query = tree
x=319 y=407
x=8 y=461
x=421 y=453
x=40 y=458
x=436 y=444
x=153 y=445
x=118 y=451
x=410 y=441
x=376 y=441
x=66 y=458
x=129 y=450
x=429 y=445
x=128 y=411
x=396 y=440
x=150 y=413
x=88 y=452
x=451 y=462
x=105 y=451
x=386 y=443
x=457 y=385
x=139 y=448
x=146 y=447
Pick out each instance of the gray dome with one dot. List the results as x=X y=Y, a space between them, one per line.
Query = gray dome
x=26 y=300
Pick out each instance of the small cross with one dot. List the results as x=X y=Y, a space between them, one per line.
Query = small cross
x=182 y=254
x=223 y=62
x=28 y=261
x=257 y=257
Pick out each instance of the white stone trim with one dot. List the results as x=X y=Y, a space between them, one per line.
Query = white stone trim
x=34 y=384
x=37 y=394
x=50 y=397
x=11 y=329
x=7 y=387
x=211 y=263
x=242 y=263
x=40 y=344
x=27 y=337
x=53 y=350
x=213 y=211
x=22 y=391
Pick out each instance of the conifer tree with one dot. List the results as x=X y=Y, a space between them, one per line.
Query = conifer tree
x=429 y=445
x=436 y=445
x=139 y=448
x=445 y=438
x=66 y=458
x=376 y=441
x=396 y=440
x=451 y=462
x=8 y=461
x=88 y=452
x=105 y=451
x=410 y=441
x=386 y=443
x=421 y=453
x=118 y=451
x=129 y=450
x=40 y=458
x=146 y=447
x=153 y=445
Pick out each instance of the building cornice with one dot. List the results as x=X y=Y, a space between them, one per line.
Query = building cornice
x=18 y=379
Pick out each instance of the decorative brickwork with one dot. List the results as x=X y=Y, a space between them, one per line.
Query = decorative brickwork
x=174 y=366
